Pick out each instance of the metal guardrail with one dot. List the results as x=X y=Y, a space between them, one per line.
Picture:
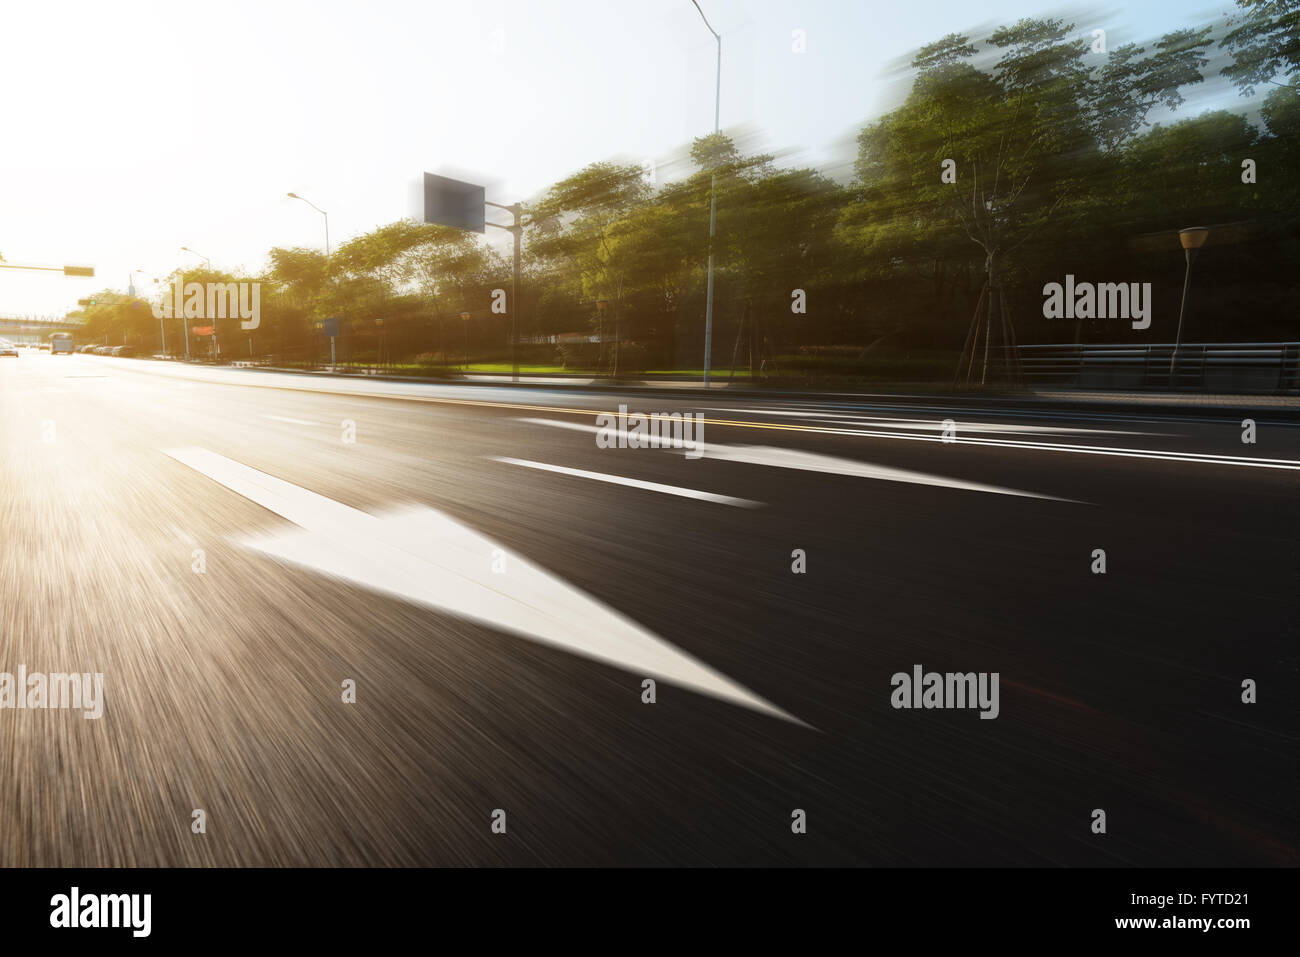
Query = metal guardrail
x=1237 y=367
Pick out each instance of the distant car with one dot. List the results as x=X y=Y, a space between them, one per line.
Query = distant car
x=7 y=348
x=89 y=348
x=124 y=352
x=102 y=350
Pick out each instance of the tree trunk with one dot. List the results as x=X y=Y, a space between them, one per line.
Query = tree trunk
x=994 y=304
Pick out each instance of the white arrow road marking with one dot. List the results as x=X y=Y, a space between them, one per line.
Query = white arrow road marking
x=634 y=483
x=816 y=462
x=423 y=556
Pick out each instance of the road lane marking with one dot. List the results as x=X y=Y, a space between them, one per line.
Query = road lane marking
x=275 y=380
x=1192 y=457
x=285 y=418
x=634 y=483
x=816 y=462
x=423 y=556
x=933 y=424
x=1203 y=458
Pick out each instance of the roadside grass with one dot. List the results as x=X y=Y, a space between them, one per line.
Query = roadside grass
x=930 y=371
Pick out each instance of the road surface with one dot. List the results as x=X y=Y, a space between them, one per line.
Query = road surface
x=230 y=547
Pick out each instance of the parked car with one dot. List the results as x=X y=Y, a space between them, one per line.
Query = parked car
x=124 y=352
x=89 y=348
x=7 y=348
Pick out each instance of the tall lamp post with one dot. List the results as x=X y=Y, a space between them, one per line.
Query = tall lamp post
x=1192 y=239
x=130 y=291
x=195 y=252
x=327 y=254
x=517 y=231
x=186 y=249
x=323 y=213
x=180 y=317
x=713 y=201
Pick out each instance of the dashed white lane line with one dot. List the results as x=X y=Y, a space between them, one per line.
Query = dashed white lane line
x=285 y=418
x=634 y=483
x=814 y=462
x=423 y=556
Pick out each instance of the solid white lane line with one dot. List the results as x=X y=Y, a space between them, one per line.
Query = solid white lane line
x=634 y=483
x=816 y=462
x=420 y=555
x=1204 y=458
x=284 y=418
x=931 y=425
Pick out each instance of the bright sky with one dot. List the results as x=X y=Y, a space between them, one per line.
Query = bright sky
x=132 y=129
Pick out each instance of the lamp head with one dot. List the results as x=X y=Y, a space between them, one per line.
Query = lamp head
x=1193 y=237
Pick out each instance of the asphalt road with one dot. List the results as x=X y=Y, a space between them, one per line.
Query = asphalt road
x=498 y=620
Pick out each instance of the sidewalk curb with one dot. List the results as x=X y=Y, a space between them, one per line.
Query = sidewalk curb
x=1225 y=406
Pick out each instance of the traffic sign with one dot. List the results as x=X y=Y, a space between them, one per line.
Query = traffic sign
x=330 y=326
x=451 y=202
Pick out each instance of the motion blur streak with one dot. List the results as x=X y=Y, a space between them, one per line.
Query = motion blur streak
x=223 y=688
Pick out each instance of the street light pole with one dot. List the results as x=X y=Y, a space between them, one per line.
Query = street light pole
x=517 y=230
x=162 y=328
x=323 y=213
x=1192 y=239
x=185 y=329
x=333 y=366
x=713 y=200
x=186 y=249
x=214 y=321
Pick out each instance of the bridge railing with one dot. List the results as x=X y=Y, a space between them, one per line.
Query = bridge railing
x=1229 y=367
